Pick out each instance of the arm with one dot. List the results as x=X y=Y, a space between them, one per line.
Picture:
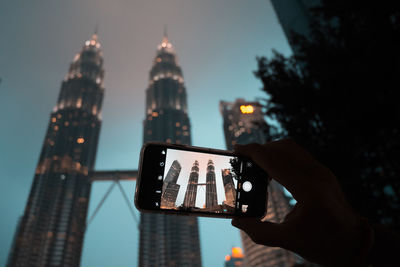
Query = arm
x=322 y=227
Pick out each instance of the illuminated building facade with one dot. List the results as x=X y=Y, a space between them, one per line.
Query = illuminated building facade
x=191 y=191
x=229 y=186
x=243 y=124
x=170 y=188
x=211 y=187
x=52 y=228
x=235 y=259
x=167 y=240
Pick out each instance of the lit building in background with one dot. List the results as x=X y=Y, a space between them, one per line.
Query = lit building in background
x=235 y=258
x=167 y=240
x=51 y=231
x=243 y=124
x=170 y=188
x=191 y=191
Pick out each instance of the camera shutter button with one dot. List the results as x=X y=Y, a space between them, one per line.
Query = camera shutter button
x=247 y=186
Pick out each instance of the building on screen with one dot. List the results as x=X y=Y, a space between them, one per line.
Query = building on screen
x=170 y=188
x=191 y=191
x=229 y=187
x=211 y=187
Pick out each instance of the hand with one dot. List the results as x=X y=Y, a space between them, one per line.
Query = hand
x=322 y=227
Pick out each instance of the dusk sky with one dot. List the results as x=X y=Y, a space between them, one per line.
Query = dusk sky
x=216 y=42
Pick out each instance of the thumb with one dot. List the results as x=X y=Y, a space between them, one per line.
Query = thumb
x=262 y=233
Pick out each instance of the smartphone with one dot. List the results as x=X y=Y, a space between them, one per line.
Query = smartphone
x=187 y=180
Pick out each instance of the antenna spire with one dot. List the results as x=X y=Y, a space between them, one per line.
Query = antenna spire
x=165 y=36
x=166 y=31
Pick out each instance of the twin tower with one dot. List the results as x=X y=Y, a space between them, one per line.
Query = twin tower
x=51 y=231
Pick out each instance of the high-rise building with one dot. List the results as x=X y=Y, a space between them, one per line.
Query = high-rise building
x=295 y=16
x=167 y=240
x=52 y=228
x=191 y=191
x=211 y=187
x=229 y=187
x=170 y=188
x=244 y=123
x=235 y=259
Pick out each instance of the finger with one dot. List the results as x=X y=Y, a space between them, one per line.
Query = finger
x=286 y=162
x=263 y=233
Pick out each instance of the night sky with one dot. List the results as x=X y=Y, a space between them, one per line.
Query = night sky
x=216 y=43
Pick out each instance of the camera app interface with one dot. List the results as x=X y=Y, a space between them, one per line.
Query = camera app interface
x=195 y=181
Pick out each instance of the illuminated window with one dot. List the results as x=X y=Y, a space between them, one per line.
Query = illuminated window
x=158 y=59
x=154 y=114
x=59 y=116
x=246 y=109
x=184 y=127
x=56 y=128
x=80 y=140
x=53 y=119
x=185 y=133
x=177 y=124
x=66 y=123
x=168 y=140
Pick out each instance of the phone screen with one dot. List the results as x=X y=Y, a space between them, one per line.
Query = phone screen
x=190 y=181
x=195 y=181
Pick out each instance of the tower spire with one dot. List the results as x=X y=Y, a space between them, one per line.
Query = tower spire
x=96 y=32
x=165 y=35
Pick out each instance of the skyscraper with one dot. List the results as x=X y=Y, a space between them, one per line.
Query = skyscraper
x=211 y=187
x=295 y=16
x=170 y=188
x=51 y=230
x=229 y=187
x=191 y=191
x=167 y=240
x=244 y=123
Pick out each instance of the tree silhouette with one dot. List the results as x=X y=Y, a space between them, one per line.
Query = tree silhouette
x=337 y=98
